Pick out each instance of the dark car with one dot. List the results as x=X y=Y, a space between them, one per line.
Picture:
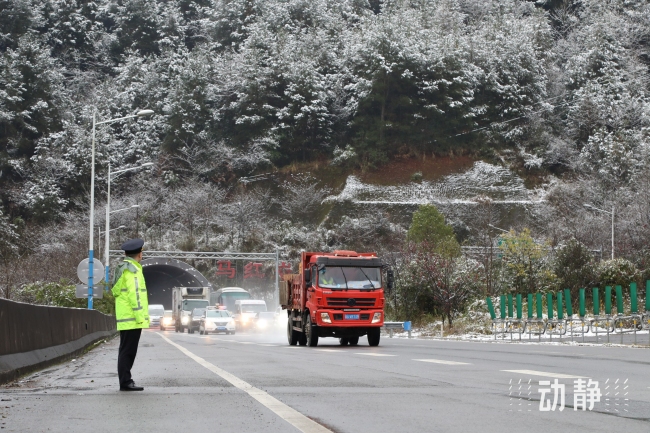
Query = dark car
x=195 y=320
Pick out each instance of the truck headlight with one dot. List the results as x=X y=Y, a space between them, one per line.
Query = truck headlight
x=376 y=317
x=325 y=317
x=184 y=320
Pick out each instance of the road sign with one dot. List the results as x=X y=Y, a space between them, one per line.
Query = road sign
x=81 y=291
x=98 y=272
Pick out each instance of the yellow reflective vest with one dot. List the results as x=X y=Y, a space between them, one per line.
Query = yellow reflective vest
x=130 y=291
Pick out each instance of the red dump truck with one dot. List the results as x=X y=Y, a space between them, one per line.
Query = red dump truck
x=339 y=294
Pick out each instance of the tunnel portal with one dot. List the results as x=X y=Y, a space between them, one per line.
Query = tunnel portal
x=161 y=274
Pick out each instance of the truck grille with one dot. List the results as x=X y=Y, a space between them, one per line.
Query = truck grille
x=351 y=302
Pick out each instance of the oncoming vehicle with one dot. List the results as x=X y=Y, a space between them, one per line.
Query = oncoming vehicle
x=215 y=320
x=156 y=311
x=264 y=320
x=167 y=320
x=195 y=319
x=245 y=312
x=184 y=300
x=339 y=294
x=227 y=297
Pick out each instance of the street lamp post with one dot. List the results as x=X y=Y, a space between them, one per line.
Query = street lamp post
x=140 y=113
x=108 y=206
x=99 y=238
x=588 y=206
x=109 y=230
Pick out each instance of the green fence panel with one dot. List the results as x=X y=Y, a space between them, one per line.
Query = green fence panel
x=619 y=300
x=647 y=298
x=582 y=302
x=596 y=302
x=518 y=306
x=491 y=308
x=608 y=299
x=633 y=299
x=567 y=299
x=560 y=307
x=530 y=305
x=539 y=305
x=549 y=305
x=503 y=306
x=510 y=305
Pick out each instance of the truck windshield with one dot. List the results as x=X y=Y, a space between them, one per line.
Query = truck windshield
x=337 y=277
x=192 y=304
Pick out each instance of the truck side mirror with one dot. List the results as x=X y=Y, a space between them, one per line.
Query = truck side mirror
x=390 y=279
x=307 y=275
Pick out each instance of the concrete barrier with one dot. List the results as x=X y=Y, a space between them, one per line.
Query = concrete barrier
x=35 y=336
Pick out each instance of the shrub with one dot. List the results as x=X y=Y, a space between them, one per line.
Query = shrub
x=616 y=272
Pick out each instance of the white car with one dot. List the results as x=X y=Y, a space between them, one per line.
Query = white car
x=156 y=313
x=214 y=320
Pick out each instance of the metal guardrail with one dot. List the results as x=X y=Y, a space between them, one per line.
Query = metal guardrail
x=391 y=326
x=556 y=325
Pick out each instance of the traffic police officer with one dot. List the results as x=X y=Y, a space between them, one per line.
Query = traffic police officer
x=131 y=310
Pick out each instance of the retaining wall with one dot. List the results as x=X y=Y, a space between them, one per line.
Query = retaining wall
x=35 y=336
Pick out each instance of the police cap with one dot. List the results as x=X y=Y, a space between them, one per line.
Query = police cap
x=132 y=246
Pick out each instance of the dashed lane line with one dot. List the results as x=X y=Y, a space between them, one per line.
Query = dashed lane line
x=374 y=354
x=328 y=350
x=546 y=374
x=287 y=413
x=441 y=361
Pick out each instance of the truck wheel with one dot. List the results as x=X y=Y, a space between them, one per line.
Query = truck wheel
x=311 y=333
x=343 y=341
x=353 y=341
x=291 y=333
x=373 y=336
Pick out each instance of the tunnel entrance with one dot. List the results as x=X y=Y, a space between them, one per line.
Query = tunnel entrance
x=161 y=274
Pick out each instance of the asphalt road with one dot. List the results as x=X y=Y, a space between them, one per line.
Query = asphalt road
x=257 y=383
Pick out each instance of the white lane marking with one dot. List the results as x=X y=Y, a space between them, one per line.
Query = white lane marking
x=290 y=347
x=268 y=345
x=546 y=374
x=440 y=361
x=245 y=342
x=287 y=413
x=328 y=350
x=374 y=354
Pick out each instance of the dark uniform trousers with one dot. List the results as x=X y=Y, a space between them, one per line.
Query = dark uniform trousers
x=129 y=340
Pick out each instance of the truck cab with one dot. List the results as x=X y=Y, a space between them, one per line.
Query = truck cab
x=339 y=295
x=184 y=300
